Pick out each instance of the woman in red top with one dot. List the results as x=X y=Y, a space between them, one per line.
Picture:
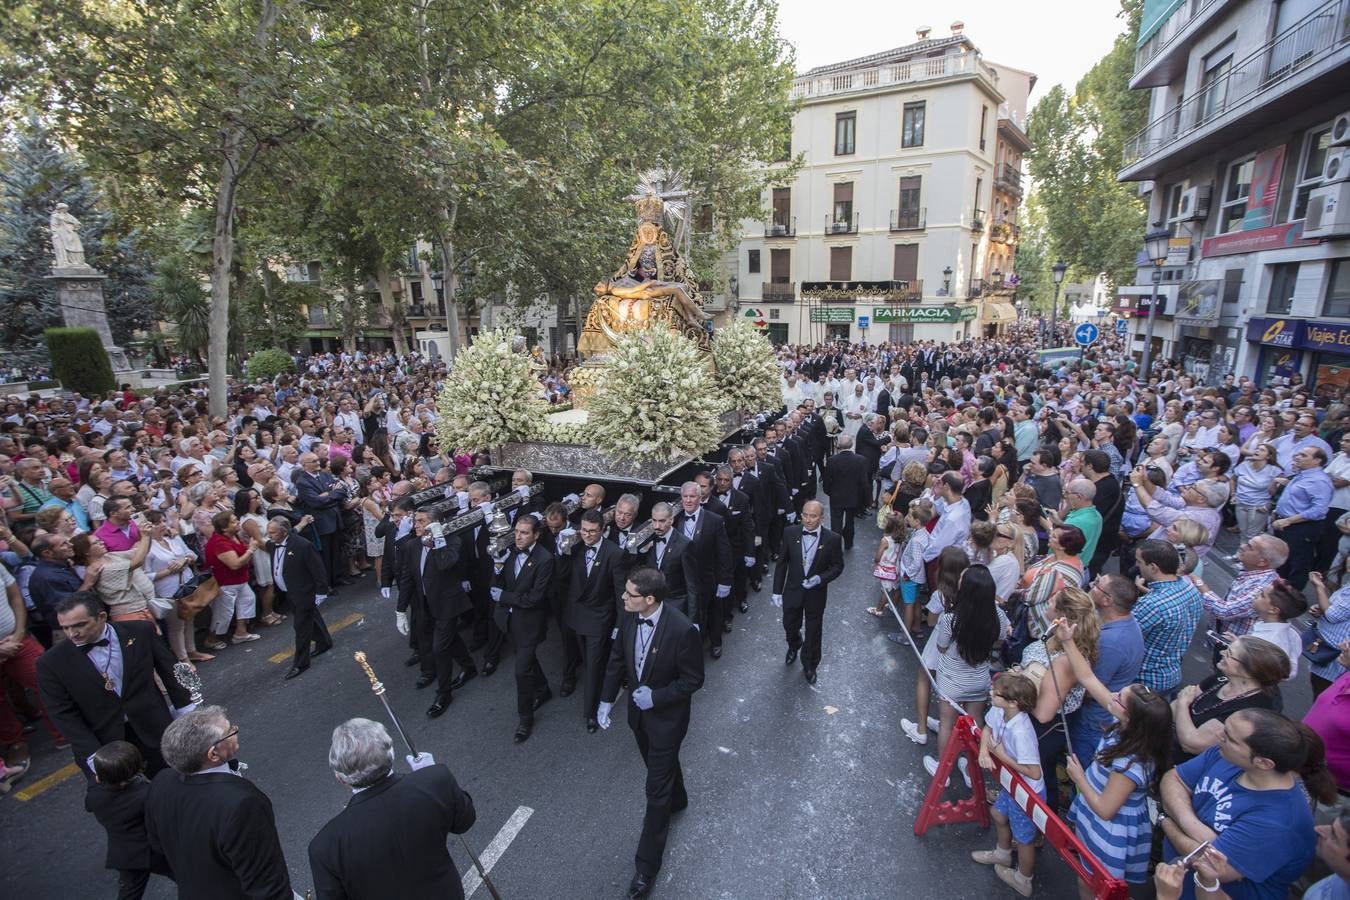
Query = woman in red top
x=228 y=556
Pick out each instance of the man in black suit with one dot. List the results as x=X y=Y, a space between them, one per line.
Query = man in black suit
x=520 y=591
x=214 y=826
x=321 y=495
x=99 y=685
x=769 y=468
x=660 y=654
x=432 y=577
x=625 y=520
x=298 y=574
x=847 y=486
x=396 y=530
x=389 y=841
x=669 y=554
x=710 y=550
x=739 y=518
x=812 y=558
x=871 y=443
x=478 y=539
x=596 y=573
x=744 y=478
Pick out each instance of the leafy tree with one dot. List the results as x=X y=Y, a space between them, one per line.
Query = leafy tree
x=178 y=296
x=268 y=364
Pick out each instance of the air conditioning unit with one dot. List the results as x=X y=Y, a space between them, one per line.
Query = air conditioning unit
x=1340 y=130
x=1328 y=212
x=1194 y=204
x=1337 y=167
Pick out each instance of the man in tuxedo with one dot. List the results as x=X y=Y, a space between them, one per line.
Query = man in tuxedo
x=298 y=574
x=711 y=552
x=660 y=654
x=389 y=840
x=847 y=487
x=213 y=825
x=99 y=685
x=480 y=569
x=321 y=495
x=520 y=591
x=595 y=578
x=625 y=520
x=432 y=576
x=593 y=497
x=771 y=469
x=739 y=517
x=871 y=445
x=812 y=558
x=745 y=478
x=396 y=530
x=669 y=554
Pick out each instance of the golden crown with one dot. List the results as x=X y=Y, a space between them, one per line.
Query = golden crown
x=649 y=208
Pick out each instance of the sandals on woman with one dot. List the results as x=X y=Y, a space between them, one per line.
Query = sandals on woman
x=245 y=638
x=272 y=619
x=200 y=657
x=876 y=611
x=215 y=645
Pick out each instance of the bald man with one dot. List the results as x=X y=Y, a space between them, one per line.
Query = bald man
x=813 y=556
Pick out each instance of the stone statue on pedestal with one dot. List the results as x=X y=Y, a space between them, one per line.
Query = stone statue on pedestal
x=79 y=286
x=67 y=250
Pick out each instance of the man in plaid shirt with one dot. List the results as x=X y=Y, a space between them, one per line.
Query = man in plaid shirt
x=1260 y=557
x=1167 y=613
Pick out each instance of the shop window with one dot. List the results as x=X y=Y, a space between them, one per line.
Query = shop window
x=1236 y=189
x=1282 y=280
x=1338 y=290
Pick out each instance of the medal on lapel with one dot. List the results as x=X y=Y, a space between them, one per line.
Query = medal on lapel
x=108 y=683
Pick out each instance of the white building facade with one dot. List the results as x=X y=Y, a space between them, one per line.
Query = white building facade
x=902 y=223
x=1246 y=161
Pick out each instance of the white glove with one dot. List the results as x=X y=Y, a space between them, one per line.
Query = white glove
x=420 y=761
x=749 y=561
x=401 y=622
x=182 y=710
x=777 y=600
x=795 y=491
x=758 y=540
x=696 y=628
x=496 y=594
x=602 y=715
x=813 y=581
x=780 y=512
x=567 y=532
x=523 y=490
x=466 y=586
x=614 y=635
x=503 y=556
x=723 y=590
x=572 y=497
x=384 y=592
x=319 y=598
x=791 y=517
x=486 y=507
x=642 y=697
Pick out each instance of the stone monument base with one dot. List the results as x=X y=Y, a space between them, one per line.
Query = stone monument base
x=79 y=290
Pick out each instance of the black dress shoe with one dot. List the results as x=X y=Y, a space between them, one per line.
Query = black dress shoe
x=745 y=604
x=592 y=726
x=523 y=731
x=810 y=675
x=322 y=650
x=717 y=653
x=478 y=644
x=680 y=804
x=542 y=697
x=463 y=678
x=567 y=688
x=726 y=627
x=754 y=586
x=294 y=672
x=791 y=657
x=423 y=681
x=412 y=660
x=489 y=668
x=441 y=704
x=640 y=886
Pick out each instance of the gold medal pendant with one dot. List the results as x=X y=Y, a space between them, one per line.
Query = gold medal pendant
x=108 y=683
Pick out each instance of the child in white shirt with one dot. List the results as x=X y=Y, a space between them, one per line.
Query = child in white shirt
x=1010 y=736
x=1275 y=607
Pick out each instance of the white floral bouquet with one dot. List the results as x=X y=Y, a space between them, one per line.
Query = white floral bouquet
x=748 y=375
x=656 y=400
x=562 y=433
x=491 y=396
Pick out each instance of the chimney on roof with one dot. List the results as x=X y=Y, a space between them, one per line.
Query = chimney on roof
x=958 y=26
x=922 y=32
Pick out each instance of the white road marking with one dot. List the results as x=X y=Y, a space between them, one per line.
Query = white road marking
x=489 y=857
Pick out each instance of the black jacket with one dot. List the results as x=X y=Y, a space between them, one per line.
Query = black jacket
x=710 y=548
x=302 y=570
x=439 y=582
x=121 y=812
x=309 y=489
x=594 y=599
x=87 y=713
x=846 y=482
x=739 y=521
x=673 y=671
x=681 y=571
x=761 y=501
x=525 y=597
x=219 y=835
x=828 y=563
x=870 y=448
x=390 y=840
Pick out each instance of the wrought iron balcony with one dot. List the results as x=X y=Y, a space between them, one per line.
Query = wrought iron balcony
x=779 y=291
x=977 y=287
x=1009 y=178
x=977 y=220
x=841 y=225
x=781 y=227
x=908 y=219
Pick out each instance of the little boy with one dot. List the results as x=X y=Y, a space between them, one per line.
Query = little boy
x=1275 y=607
x=117 y=800
x=1010 y=736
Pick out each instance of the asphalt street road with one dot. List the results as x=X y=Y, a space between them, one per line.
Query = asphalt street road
x=795 y=791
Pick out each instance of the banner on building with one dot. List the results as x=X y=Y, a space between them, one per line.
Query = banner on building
x=833 y=315
x=1275 y=237
x=1198 y=302
x=918 y=314
x=1265 y=189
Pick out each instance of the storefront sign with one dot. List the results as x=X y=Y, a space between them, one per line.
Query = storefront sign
x=1265 y=189
x=1274 y=238
x=889 y=314
x=833 y=314
x=1276 y=332
x=1327 y=336
x=1198 y=302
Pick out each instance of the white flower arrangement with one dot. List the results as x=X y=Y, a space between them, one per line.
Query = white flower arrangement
x=656 y=400
x=491 y=396
x=748 y=374
x=561 y=433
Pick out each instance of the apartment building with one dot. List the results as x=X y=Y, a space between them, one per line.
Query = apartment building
x=902 y=223
x=1245 y=161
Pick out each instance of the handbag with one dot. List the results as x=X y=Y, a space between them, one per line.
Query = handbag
x=884 y=510
x=1318 y=651
x=196 y=595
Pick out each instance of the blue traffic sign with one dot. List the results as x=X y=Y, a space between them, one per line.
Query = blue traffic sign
x=1122 y=326
x=1086 y=335
x=863 y=322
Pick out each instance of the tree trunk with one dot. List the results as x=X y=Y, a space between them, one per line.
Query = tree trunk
x=351 y=311
x=222 y=260
x=451 y=280
x=394 y=307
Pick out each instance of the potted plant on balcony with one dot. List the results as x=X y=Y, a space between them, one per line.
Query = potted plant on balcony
x=1000 y=233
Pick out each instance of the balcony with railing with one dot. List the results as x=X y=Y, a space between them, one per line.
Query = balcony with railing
x=841 y=224
x=908 y=71
x=781 y=227
x=909 y=219
x=1163 y=56
x=778 y=291
x=913 y=291
x=1311 y=57
x=977 y=288
x=416 y=311
x=1009 y=178
x=977 y=220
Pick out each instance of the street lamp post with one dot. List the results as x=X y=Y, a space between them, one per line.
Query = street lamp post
x=1155 y=245
x=1057 y=272
x=947 y=281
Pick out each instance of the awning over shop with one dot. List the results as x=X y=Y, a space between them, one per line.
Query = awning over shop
x=995 y=313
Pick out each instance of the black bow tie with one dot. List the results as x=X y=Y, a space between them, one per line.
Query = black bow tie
x=647 y=622
x=101 y=642
x=660 y=541
x=810 y=533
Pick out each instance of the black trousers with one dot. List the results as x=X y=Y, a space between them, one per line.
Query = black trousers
x=665 y=790
x=329 y=546
x=440 y=646
x=530 y=679
x=740 y=579
x=131 y=883
x=1303 y=540
x=595 y=650
x=310 y=628
x=1052 y=740
x=841 y=523
x=814 y=616
x=713 y=611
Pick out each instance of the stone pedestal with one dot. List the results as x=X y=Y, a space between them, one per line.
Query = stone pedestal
x=79 y=290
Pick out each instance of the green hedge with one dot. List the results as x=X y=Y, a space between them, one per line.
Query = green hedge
x=268 y=364
x=79 y=361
